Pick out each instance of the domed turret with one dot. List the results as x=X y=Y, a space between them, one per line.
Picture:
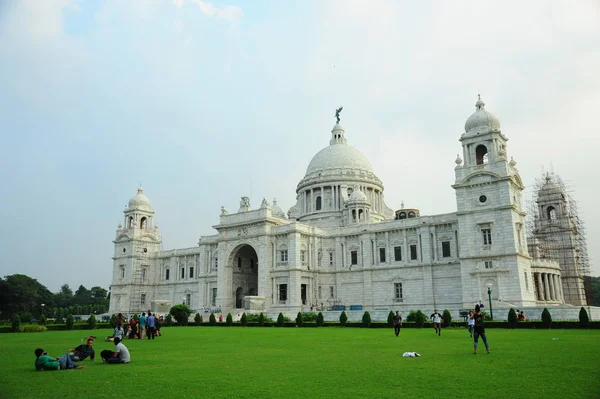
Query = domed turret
x=357 y=196
x=140 y=201
x=276 y=210
x=481 y=121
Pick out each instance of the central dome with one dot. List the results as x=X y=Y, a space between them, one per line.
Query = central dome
x=339 y=156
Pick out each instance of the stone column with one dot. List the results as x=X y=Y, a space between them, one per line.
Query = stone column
x=551 y=284
x=546 y=286
x=562 y=293
x=540 y=286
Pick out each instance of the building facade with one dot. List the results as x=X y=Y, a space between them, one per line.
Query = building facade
x=341 y=246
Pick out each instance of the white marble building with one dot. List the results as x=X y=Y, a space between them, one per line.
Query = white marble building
x=341 y=245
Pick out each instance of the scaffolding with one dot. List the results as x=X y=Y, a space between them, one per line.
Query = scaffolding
x=556 y=232
x=138 y=300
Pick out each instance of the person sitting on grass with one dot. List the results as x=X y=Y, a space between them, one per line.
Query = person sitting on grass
x=119 y=355
x=81 y=352
x=45 y=362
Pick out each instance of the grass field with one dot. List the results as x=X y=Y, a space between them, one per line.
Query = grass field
x=217 y=362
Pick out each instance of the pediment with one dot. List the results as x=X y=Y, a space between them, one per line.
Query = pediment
x=480 y=177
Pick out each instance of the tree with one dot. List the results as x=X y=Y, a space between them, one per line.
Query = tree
x=447 y=317
x=69 y=322
x=212 y=320
x=280 y=320
x=42 y=320
x=92 y=322
x=299 y=321
x=229 y=320
x=584 y=320
x=20 y=293
x=261 y=319
x=366 y=319
x=82 y=296
x=181 y=314
x=390 y=319
x=343 y=318
x=512 y=318
x=64 y=298
x=15 y=322
x=419 y=318
x=244 y=319
x=320 y=319
x=546 y=318
x=198 y=319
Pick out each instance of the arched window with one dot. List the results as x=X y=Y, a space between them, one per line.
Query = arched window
x=411 y=215
x=551 y=212
x=143 y=223
x=402 y=215
x=361 y=214
x=130 y=221
x=354 y=214
x=318 y=203
x=481 y=155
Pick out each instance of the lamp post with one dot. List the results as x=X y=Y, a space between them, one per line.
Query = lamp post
x=43 y=304
x=490 y=300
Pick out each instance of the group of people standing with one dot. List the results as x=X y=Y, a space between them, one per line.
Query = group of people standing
x=148 y=326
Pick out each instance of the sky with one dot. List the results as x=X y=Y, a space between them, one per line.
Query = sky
x=205 y=102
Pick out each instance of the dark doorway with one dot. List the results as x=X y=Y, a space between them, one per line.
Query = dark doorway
x=303 y=293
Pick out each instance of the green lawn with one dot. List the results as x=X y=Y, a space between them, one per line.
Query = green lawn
x=217 y=362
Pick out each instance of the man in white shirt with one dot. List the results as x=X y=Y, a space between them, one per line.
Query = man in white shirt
x=437 y=322
x=119 y=355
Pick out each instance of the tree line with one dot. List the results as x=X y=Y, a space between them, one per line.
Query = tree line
x=23 y=295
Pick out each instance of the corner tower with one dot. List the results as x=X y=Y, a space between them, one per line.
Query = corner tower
x=137 y=242
x=493 y=249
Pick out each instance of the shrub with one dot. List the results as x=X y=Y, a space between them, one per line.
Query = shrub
x=447 y=318
x=198 y=319
x=91 y=322
x=15 y=321
x=343 y=318
x=512 y=318
x=32 y=328
x=261 y=319
x=320 y=320
x=391 y=318
x=244 y=319
x=546 y=318
x=42 y=321
x=366 y=319
x=113 y=320
x=212 y=320
x=584 y=320
x=309 y=316
x=412 y=315
x=26 y=317
x=229 y=320
x=419 y=318
x=280 y=320
x=59 y=320
x=181 y=313
x=299 y=320
x=256 y=318
x=69 y=322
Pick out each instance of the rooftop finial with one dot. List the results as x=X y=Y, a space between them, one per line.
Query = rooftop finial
x=479 y=104
x=337 y=113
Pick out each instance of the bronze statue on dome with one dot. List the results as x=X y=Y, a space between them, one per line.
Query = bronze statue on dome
x=337 y=113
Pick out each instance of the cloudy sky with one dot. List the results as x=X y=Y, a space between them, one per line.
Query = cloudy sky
x=204 y=102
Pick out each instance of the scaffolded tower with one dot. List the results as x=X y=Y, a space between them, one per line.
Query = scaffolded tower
x=137 y=300
x=555 y=232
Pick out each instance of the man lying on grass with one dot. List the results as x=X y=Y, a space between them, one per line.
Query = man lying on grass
x=45 y=362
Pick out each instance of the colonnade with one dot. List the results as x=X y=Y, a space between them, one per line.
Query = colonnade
x=335 y=201
x=549 y=287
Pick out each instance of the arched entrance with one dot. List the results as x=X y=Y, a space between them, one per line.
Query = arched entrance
x=244 y=262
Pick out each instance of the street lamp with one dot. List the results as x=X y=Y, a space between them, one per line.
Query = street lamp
x=43 y=304
x=490 y=300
